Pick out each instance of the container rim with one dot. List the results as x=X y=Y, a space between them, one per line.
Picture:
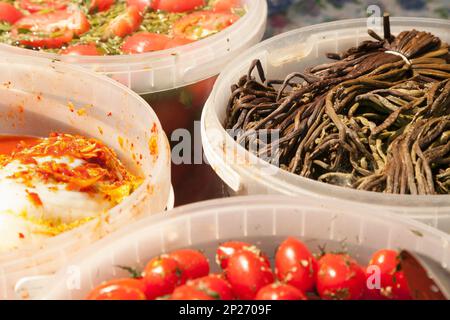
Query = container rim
x=284 y=181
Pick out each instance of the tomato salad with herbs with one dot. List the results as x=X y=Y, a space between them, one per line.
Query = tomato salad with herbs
x=112 y=27
x=247 y=274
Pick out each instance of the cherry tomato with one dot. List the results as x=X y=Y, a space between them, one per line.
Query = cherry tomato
x=9 y=13
x=177 y=5
x=190 y=293
x=295 y=265
x=100 y=5
x=192 y=263
x=280 y=291
x=161 y=276
x=214 y=285
x=200 y=24
x=177 y=42
x=227 y=249
x=142 y=5
x=144 y=42
x=172 y=113
x=224 y=5
x=393 y=284
x=247 y=273
x=40 y=5
x=124 y=24
x=82 y=50
x=340 y=278
x=119 y=289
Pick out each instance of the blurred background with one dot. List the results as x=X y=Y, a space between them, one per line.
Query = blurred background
x=290 y=14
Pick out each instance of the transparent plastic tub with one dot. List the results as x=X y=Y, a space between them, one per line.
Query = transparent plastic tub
x=263 y=220
x=39 y=96
x=244 y=173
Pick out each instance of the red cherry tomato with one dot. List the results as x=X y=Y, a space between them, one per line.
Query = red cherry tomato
x=177 y=5
x=161 y=276
x=214 y=285
x=295 y=265
x=124 y=24
x=144 y=42
x=393 y=284
x=192 y=263
x=177 y=42
x=227 y=249
x=190 y=293
x=8 y=13
x=39 y=5
x=82 y=50
x=100 y=5
x=339 y=277
x=200 y=24
x=119 y=289
x=142 y=5
x=280 y=291
x=224 y=5
x=247 y=273
x=50 y=30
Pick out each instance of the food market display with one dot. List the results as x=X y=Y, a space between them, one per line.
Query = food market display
x=51 y=185
x=374 y=118
x=247 y=274
x=112 y=27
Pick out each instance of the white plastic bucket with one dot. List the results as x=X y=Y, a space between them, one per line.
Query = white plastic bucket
x=262 y=220
x=173 y=68
x=244 y=173
x=35 y=98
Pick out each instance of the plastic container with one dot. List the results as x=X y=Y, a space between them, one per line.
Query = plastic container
x=39 y=96
x=263 y=220
x=244 y=173
x=176 y=83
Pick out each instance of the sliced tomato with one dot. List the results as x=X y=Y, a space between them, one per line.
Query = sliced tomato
x=177 y=5
x=54 y=22
x=119 y=289
x=144 y=42
x=8 y=13
x=201 y=24
x=142 y=5
x=177 y=42
x=192 y=263
x=40 y=5
x=224 y=5
x=82 y=50
x=227 y=249
x=50 y=30
x=124 y=24
x=100 y=5
x=280 y=291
